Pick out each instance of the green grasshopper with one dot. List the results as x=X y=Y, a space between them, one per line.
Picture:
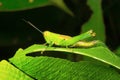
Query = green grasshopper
x=66 y=41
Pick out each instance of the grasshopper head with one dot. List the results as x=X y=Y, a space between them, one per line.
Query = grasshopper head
x=48 y=36
x=46 y=33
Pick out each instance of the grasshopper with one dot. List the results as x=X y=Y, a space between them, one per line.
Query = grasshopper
x=65 y=40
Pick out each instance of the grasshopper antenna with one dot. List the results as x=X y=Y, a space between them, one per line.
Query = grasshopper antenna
x=32 y=25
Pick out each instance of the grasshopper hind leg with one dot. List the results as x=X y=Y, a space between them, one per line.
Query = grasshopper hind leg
x=85 y=44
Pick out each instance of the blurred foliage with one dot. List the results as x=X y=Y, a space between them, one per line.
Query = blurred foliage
x=111 y=17
x=117 y=51
x=29 y=4
x=96 y=20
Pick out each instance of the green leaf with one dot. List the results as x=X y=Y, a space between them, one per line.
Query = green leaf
x=9 y=72
x=13 y=5
x=16 y=5
x=49 y=68
x=62 y=5
x=54 y=68
x=95 y=22
x=100 y=53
